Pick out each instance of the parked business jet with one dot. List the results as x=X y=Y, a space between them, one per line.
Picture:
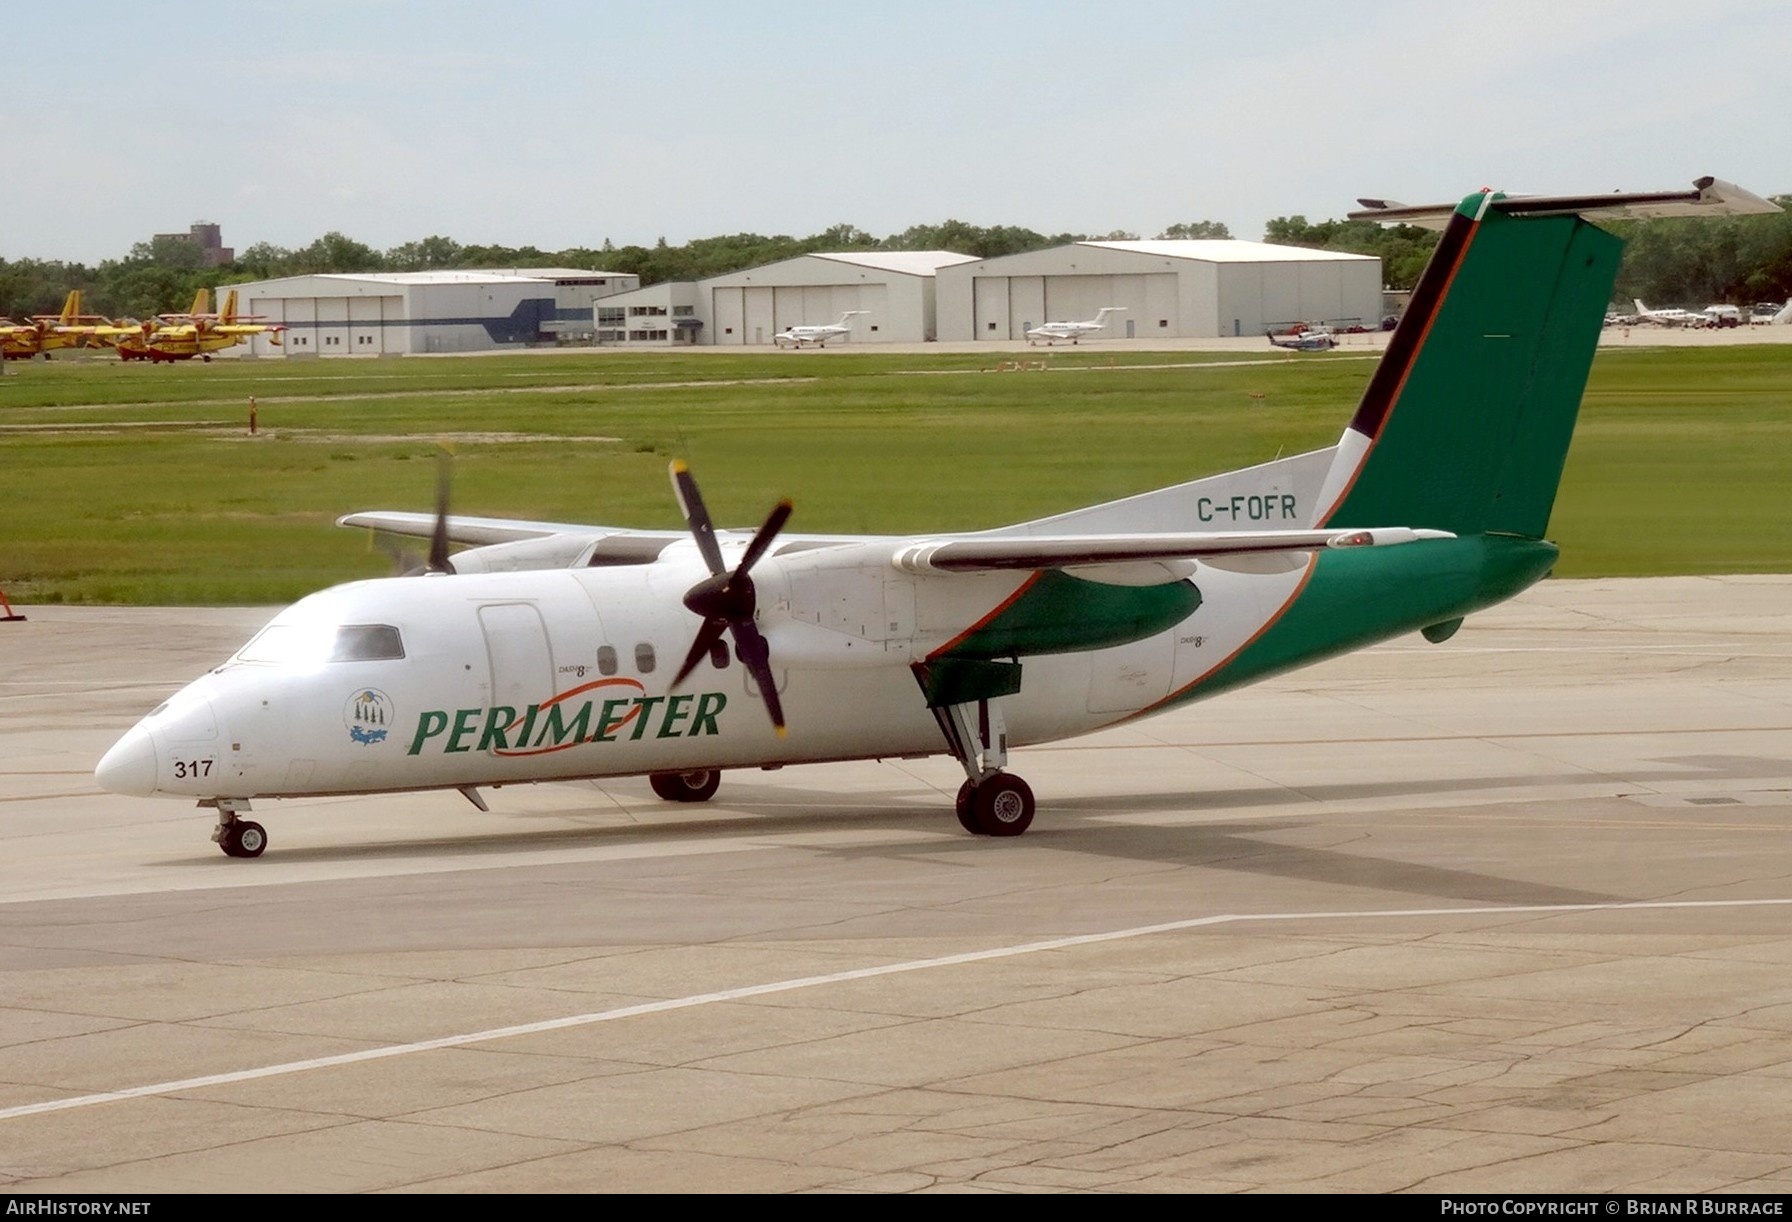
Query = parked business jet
x=1072 y=331
x=541 y=653
x=797 y=337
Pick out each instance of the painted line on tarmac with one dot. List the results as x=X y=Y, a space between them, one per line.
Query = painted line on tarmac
x=863 y=973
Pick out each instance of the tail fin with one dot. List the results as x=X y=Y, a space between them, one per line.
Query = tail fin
x=227 y=315
x=202 y=302
x=1465 y=424
x=71 y=309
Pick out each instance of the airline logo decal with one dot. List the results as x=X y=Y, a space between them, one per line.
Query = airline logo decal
x=562 y=721
x=367 y=716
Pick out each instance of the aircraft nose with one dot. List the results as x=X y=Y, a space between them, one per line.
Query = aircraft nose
x=130 y=766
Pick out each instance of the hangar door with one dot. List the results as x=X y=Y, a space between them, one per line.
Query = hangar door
x=812 y=305
x=742 y=315
x=368 y=325
x=1147 y=299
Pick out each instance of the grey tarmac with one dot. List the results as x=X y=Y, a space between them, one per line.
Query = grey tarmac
x=1511 y=913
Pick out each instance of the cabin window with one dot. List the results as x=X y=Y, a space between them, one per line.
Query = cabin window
x=644 y=658
x=606 y=659
x=718 y=655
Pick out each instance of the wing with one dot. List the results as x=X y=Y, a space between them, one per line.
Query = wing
x=475 y=532
x=986 y=554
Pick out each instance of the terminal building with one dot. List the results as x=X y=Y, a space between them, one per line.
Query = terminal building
x=400 y=313
x=1196 y=288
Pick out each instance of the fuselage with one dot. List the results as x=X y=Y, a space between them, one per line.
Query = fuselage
x=500 y=678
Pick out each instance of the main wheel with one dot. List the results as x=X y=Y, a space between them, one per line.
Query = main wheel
x=964 y=804
x=698 y=786
x=244 y=838
x=1002 y=805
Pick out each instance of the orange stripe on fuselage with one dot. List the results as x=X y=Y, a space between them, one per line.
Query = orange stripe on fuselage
x=982 y=623
x=1204 y=676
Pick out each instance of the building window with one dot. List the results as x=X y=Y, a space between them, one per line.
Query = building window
x=1163 y=322
x=992 y=326
x=683 y=311
x=874 y=328
x=609 y=316
x=727 y=330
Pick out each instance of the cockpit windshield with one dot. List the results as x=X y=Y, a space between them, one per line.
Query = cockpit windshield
x=297 y=644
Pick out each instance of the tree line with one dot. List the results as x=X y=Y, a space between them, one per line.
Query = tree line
x=1736 y=259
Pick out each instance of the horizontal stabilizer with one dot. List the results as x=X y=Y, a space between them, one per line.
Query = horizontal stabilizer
x=1709 y=197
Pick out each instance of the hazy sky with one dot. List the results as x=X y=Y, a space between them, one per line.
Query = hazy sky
x=561 y=124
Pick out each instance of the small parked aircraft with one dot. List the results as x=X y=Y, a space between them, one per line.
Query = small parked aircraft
x=1304 y=340
x=540 y=653
x=181 y=337
x=1072 y=331
x=45 y=332
x=797 y=337
x=1669 y=317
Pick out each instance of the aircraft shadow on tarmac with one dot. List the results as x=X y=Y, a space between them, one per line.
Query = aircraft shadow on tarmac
x=1082 y=825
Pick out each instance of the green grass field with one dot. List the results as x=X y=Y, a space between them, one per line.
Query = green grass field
x=133 y=484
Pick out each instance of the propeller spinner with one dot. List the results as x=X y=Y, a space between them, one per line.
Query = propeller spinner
x=725 y=600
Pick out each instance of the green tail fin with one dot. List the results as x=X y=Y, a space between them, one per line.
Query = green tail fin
x=1468 y=417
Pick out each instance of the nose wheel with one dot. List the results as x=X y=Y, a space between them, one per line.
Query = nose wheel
x=238 y=837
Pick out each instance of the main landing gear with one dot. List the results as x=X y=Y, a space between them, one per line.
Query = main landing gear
x=1000 y=805
x=990 y=802
x=237 y=837
x=697 y=786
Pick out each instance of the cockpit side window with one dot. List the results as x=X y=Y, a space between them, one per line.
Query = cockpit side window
x=366 y=643
x=294 y=644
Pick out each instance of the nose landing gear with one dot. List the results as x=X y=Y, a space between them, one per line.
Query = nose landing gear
x=237 y=837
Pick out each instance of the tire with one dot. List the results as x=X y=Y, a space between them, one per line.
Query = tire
x=699 y=785
x=965 y=805
x=1003 y=805
x=244 y=838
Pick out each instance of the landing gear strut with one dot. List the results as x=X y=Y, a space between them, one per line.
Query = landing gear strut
x=991 y=802
x=237 y=837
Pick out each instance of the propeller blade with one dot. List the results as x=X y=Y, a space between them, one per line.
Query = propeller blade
x=774 y=523
x=690 y=501
x=438 y=538
x=755 y=655
x=707 y=636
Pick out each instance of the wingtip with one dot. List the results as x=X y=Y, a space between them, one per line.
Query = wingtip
x=679 y=467
x=783 y=731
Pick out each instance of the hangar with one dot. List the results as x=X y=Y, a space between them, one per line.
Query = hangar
x=895 y=288
x=395 y=313
x=1196 y=288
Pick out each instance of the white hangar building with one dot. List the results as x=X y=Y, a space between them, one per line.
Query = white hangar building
x=895 y=288
x=396 y=313
x=1194 y=288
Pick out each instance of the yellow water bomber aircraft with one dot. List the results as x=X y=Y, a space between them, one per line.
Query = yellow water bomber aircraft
x=542 y=653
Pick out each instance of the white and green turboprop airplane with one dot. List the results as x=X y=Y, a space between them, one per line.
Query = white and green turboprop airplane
x=541 y=653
